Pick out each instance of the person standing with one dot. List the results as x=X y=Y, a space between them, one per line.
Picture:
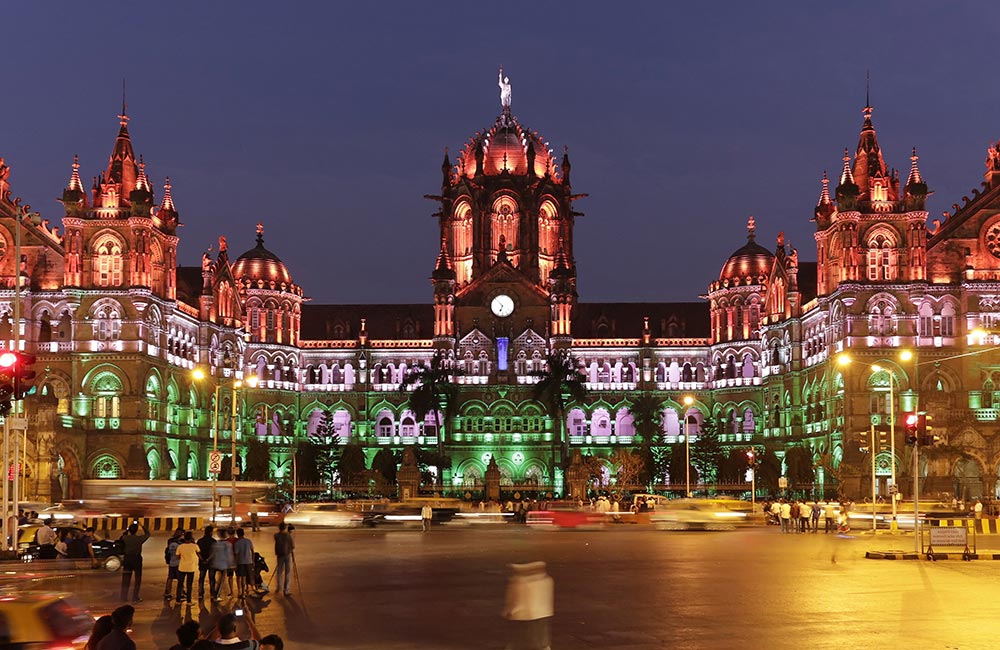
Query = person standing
x=284 y=547
x=816 y=510
x=243 y=548
x=426 y=513
x=205 y=544
x=830 y=517
x=187 y=564
x=132 y=559
x=45 y=537
x=172 y=559
x=219 y=561
x=528 y=606
x=786 y=516
x=118 y=638
x=977 y=510
x=87 y=546
x=254 y=518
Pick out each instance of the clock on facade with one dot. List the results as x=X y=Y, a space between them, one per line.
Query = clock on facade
x=502 y=305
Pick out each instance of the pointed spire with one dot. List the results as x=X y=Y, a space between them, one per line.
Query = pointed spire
x=142 y=183
x=124 y=114
x=168 y=201
x=847 y=176
x=443 y=269
x=260 y=234
x=751 y=229
x=565 y=165
x=824 y=195
x=74 y=180
x=914 y=170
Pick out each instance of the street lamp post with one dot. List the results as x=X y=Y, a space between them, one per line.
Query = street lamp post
x=249 y=382
x=198 y=375
x=892 y=438
x=688 y=400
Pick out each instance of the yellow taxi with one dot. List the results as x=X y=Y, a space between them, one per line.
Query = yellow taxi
x=43 y=620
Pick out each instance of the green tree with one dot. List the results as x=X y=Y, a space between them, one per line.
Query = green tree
x=769 y=471
x=258 y=460
x=351 y=465
x=433 y=391
x=627 y=466
x=385 y=463
x=799 y=464
x=307 y=463
x=647 y=416
x=677 y=467
x=707 y=452
x=559 y=384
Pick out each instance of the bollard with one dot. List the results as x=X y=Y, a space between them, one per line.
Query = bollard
x=529 y=606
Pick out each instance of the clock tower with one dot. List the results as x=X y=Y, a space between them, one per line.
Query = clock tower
x=505 y=268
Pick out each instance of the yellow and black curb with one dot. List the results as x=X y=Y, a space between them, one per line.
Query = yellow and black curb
x=981 y=526
x=152 y=524
x=899 y=555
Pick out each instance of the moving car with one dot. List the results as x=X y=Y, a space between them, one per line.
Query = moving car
x=327 y=515
x=106 y=552
x=697 y=514
x=43 y=620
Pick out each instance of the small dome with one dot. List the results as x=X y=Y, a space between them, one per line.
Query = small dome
x=751 y=260
x=504 y=147
x=258 y=263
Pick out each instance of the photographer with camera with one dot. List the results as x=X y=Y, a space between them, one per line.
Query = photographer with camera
x=132 y=543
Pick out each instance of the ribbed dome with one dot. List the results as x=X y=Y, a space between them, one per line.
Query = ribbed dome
x=258 y=263
x=751 y=260
x=505 y=148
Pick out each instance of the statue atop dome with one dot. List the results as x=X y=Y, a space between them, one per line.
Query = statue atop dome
x=504 y=84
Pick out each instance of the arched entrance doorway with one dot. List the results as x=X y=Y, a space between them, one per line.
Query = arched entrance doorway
x=65 y=480
x=968 y=479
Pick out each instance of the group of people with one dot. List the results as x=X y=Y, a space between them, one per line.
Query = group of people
x=219 y=555
x=799 y=516
x=110 y=632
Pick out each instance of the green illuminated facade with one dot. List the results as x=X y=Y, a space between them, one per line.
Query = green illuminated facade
x=119 y=329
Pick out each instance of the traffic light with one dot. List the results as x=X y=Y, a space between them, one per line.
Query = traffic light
x=911 y=424
x=24 y=375
x=863 y=442
x=883 y=437
x=751 y=459
x=927 y=437
x=8 y=371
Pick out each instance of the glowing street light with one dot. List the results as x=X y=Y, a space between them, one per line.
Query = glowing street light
x=688 y=401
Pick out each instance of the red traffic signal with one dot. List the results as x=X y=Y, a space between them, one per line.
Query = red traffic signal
x=911 y=423
x=24 y=375
x=8 y=360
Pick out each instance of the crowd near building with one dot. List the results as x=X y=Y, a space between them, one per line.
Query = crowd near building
x=118 y=328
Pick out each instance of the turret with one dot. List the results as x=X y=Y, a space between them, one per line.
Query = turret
x=74 y=197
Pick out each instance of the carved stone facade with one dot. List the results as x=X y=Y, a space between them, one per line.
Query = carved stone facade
x=118 y=329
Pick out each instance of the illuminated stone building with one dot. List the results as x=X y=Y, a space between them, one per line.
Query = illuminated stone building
x=118 y=329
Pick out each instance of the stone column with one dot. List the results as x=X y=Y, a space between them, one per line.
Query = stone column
x=576 y=478
x=408 y=476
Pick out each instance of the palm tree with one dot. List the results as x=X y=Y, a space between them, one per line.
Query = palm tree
x=559 y=384
x=647 y=414
x=432 y=391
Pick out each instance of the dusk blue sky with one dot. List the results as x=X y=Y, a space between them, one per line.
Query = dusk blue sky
x=327 y=121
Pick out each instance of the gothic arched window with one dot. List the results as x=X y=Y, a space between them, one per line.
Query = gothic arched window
x=881 y=257
x=108 y=262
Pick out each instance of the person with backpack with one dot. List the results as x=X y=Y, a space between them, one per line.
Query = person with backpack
x=243 y=548
x=173 y=560
x=131 y=545
x=219 y=561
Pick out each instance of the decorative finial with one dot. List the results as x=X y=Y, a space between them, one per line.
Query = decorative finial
x=914 y=170
x=781 y=239
x=141 y=183
x=74 y=180
x=504 y=84
x=824 y=195
x=168 y=200
x=124 y=116
x=847 y=176
x=260 y=233
x=868 y=88
x=751 y=228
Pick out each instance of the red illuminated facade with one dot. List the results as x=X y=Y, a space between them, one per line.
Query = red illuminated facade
x=119 y=328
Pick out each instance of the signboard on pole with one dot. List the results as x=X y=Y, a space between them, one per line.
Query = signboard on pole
x=783 y=482
x=949 y=536
x=214 y=462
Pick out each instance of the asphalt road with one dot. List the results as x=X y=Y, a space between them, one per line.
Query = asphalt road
x=619 y=588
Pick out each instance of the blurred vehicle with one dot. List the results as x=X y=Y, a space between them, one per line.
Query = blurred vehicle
x=564 y=518
x=327 y=515
x=653 y=501
x=73 y=510
x=697 y=514
x=268 y=514
x=106 y=551
x=43 y=621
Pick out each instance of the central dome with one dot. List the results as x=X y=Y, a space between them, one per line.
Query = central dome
x=505 y=148
x=258 y=263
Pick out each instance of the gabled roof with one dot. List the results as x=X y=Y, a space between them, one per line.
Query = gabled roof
x=625 y=319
